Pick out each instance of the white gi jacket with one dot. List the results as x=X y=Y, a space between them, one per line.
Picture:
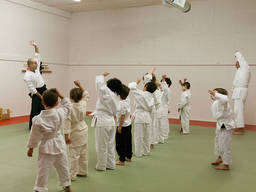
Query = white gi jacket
x=34 y=80
x=75 y=124
x=107 y=106
x=242 y=78
x=125 y=109
x=185 y=100
x=222 y=112
x=165 y=101
x=144 y=102
x=46 y=128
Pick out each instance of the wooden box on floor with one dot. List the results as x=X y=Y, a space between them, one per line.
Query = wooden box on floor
x=4 y=114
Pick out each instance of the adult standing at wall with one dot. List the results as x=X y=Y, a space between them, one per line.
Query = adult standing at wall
x=240 y=91
x=35 y=83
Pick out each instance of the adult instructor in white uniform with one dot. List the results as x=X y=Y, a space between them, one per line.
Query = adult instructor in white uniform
x=240 y=91
x=35 y=83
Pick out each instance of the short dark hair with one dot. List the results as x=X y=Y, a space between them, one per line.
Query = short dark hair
x=168 y=81
x=186 y=84
x=151 y=87
x=221 y=91
x=125 y=92
x=76 y=94
x=50 y=97
x=115 y=85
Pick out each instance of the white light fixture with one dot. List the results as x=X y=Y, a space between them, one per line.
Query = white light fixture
x=77 y=0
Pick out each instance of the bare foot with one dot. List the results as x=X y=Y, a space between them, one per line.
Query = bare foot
x=120 y=163
x=238 y=133
x=67 y=189
x=224 y=168
x=81 y=175
x=217 y=162
x=128 y=160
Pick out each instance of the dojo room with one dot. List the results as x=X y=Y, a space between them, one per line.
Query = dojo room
x=130 y=95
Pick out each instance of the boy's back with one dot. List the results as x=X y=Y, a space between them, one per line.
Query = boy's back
x=46 y=128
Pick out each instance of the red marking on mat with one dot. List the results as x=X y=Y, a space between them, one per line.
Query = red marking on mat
x=23 y=119
x=208 y=124
x=15 y=120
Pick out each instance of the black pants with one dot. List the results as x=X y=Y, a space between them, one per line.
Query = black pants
x=36 y=106
x=124 y=143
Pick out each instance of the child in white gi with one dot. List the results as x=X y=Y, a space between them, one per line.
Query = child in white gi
x=150 y=77
x=184 y=107
x=76 y=132
x=124 y=129
x=222 y=113
x=144 y=102
x=52 y=148
x=107 y=106
x=162 y=112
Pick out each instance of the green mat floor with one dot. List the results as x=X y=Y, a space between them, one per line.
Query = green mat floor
x=182 y=164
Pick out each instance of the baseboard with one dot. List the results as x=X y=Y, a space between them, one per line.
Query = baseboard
x=23 y=119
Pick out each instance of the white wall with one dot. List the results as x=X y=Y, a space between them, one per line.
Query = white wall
x=127 y=42
x=22 y=21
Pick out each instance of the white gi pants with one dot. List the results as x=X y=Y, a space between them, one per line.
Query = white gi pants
x=154 y=127
x=142 y=141
x=78 y=158
x=223 y=142
x=185 y=116
x=239 y=112
x=239 y=96
x=105 y=147
x=44 y=165
x=163 y=129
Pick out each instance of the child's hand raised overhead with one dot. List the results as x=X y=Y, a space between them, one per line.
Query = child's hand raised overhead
x=105 y=74
x=33 y=43
x=153 y=70
x=138 y=81
x=77 y=83
x=212 y=92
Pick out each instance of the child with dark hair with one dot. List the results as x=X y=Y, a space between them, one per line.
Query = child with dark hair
x=144 y=102
x=150 y=77
x=107 y=106
x=162 y=111
x=76 y=132
x=222 y=113
x=184 y=107
x=123 y=133
x=52 y=150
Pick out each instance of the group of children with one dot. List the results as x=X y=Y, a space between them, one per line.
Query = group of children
x=151 y=126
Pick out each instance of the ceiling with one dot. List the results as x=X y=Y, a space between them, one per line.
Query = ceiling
x=93 y=5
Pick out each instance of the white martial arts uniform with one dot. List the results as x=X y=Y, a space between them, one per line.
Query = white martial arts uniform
x=77 y=129
x=32 y=79
x=52 y=148
x=157 y=95
x=155 y=130
x=144 y=103
x=222 y=113
x=162 y=114
x=240 y=89
x=184 y=107
x=107 y=106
